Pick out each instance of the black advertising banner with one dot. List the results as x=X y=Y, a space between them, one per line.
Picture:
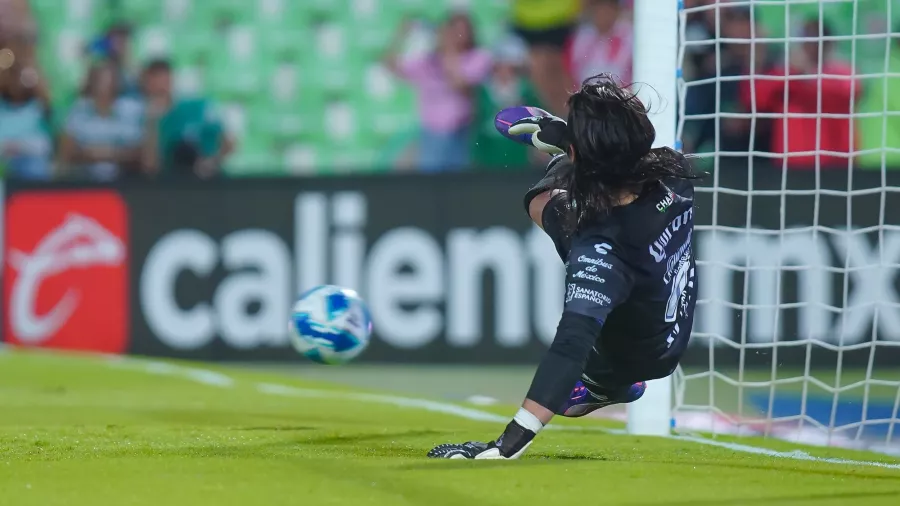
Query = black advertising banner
x=452 y=269
x=449 y=266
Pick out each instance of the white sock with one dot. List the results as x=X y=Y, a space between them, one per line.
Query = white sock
x=527 y=420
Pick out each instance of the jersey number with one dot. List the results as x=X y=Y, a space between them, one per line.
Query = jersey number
x=679 y=283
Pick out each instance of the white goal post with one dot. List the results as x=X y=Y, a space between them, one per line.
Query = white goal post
x=797 y=332
x=655 y=65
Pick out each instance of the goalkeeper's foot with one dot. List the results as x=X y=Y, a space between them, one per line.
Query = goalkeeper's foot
x=582 y=401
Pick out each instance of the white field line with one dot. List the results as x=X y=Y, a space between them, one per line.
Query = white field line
x=794 y=455
x=217 y=379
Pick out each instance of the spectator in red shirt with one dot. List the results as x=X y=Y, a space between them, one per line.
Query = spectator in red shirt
x=829 y=90
x=603 y=43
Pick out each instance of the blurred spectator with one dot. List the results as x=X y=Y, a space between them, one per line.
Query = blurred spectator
x=815 y=88
x=18 y=37
x=25 y=143
x=102 y=133
x=183 y=136
x=722 y=95
x=17 y=28
x=115 y=46
x=546 y=26
x=506 y=87
x=445 y=80
x=700 y=59
x=602 y=44
x=879 y=124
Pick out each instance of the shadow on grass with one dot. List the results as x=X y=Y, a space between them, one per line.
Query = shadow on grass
x=364 y=444
x=830 y=498
x=339 y=439
x=780 y=466
x=276 y=428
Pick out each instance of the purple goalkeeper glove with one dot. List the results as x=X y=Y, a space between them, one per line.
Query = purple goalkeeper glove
x=549 y=134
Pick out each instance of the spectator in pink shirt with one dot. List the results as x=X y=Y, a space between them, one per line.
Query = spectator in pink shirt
x=445 y=80
x=603 y=43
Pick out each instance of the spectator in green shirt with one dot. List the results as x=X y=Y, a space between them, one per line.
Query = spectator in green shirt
x=507 y=86
x=183 y=135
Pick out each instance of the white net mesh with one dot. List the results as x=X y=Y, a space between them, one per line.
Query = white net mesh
x=793 y=107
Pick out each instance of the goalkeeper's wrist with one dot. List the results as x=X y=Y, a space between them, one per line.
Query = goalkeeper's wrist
x=527 y=420
x=519 y=432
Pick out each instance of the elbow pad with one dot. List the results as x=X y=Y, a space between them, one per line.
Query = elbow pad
x=558 y=168
x=555 y=221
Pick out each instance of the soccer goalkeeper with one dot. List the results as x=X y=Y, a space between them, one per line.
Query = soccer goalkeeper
x=621 y=217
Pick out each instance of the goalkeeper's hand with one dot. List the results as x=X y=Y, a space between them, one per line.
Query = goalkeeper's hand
x=509 y=446
x=473 y=450
x=549 y=134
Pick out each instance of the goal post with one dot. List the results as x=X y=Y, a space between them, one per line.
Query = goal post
x=655 y=68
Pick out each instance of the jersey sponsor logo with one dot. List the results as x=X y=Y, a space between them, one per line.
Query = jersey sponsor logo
x=602 y=248
x=685 y=299
x=599 y=262
x=575 y=292
x=666 y=201
x=658 y=248
x=590 y=268
x=672 y=335
x=589 y=277
x=66 y=277
x=682 y=255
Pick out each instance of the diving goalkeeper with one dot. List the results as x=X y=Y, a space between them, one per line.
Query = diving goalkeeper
x=621 y=217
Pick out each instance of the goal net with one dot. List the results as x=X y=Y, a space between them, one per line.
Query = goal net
x=793 y=108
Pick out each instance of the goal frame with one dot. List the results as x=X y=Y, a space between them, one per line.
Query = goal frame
x=656 y=26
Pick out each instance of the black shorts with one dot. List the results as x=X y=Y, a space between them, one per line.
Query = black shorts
x=556 y=38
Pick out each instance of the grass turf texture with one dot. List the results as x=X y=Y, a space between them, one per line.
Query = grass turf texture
x=85 y=431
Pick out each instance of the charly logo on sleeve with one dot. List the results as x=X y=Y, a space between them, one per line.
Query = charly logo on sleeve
x=602 y=248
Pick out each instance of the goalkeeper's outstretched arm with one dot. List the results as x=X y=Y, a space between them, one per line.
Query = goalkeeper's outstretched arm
x=547 y=206
x=560 y=368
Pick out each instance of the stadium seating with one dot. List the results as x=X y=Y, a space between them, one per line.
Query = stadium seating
x=293 y=78
x=299 y=81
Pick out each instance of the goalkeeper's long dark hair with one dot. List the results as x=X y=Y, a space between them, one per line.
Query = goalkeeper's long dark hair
x=611 y=139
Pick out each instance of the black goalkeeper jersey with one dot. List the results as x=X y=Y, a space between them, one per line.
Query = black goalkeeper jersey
x=634 y=272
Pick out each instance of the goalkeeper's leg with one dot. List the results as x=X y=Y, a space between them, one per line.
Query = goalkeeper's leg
x=600 y=386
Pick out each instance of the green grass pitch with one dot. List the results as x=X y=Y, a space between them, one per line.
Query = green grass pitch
x=95 y=431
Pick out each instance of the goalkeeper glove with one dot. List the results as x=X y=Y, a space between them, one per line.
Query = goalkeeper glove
x=549 y=134
x=509 y=446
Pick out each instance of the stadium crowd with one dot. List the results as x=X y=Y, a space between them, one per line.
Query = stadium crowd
x=123 y=122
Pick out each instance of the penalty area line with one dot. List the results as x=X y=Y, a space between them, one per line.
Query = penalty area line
x=220 y=380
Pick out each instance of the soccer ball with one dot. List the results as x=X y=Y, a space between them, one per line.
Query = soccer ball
x=330 y=325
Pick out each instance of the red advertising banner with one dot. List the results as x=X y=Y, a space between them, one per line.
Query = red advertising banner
x=65 y=271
